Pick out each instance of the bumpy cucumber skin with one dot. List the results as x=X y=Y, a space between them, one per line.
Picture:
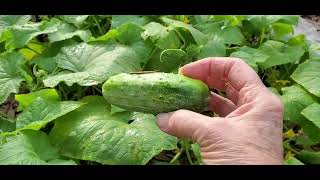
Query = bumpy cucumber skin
x=156 y=92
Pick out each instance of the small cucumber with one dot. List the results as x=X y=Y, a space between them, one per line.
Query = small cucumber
x=156 y=92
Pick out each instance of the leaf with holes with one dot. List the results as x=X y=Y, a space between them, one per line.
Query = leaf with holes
x=88 y=64
x=11 y=74
x=18 y=36
x=163 y=37
x=92 y=63
x=92 y=133
x=10 y=20
x=198 y=36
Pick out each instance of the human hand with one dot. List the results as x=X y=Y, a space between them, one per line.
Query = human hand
x=249 y=129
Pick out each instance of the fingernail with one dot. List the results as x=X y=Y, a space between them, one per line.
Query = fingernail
x=162 y=120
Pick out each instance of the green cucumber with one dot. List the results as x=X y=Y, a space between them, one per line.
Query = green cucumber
x=156 y=92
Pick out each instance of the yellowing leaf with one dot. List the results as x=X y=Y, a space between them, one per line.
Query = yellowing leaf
x=289 y=134
x=27 y=53
x=288 y=155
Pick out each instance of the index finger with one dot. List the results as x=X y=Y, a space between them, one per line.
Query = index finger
x=231 y=75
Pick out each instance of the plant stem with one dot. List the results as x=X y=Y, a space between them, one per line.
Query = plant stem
x=63 y=92
x=96 y=21
x=93 y=92
x=99 y=90
x=154 y=49
x=79 y=93
x=176 y=156
x=181 y=37
x=186 y=146
x=262 y=36
x=290 y=148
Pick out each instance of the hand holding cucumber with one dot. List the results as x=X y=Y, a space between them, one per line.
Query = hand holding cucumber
x=249 y=129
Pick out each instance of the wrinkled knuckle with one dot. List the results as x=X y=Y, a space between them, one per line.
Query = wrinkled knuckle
x=239 y=61
x=178 y=114
x=175 y=117
x=277 y=103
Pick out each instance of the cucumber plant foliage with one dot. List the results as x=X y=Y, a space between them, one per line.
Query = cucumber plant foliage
x=52 y=110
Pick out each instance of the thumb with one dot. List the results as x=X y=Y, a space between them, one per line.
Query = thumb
x=184 y=124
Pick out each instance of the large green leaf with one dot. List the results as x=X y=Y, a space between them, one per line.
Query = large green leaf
x=76 y=20
x=308 y=75
x=167 y=60
x=67 y=31
x=29 y=148
x=92 y=133
x=295 y=95
x=11 y=74
x=232 y=35
x=118 y=20
x=251 y=56
x=10 y=20
x=6 y=125
x=18 y=36
x=115 y=109
x=309 y=157
x=32 y=49
x=213 y=48
x=163 y=37
x=228 y=20
x=46 y=60
x=260 y=22
x=197 y=152
x=280 y=53
x=92 y=63
x=25 y=99
x=295 y=99
x=41 y=111
x=312 y=113
x=314 y=50
x=200 y=19
x=128 y=33
x=293 y=161
x=282 y=31
x=209 y=28
x=89 y=65
x=198 y=36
